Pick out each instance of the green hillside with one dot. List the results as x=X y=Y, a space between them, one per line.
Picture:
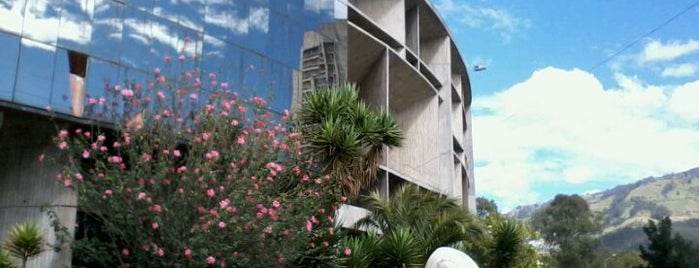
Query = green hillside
x=626 y=208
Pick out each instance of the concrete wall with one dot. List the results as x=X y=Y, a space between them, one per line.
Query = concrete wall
x=26 y=184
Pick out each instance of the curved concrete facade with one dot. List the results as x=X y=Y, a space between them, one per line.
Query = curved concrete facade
x=403 y=57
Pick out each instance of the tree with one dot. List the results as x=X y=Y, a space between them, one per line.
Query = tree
x=205 y=177
x=406 y=228
x=25 y=241
x=485 y=207
x=346 y=135
x=667 y=251
x=569 y=226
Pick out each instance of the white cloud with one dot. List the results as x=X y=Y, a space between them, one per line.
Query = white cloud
x=658 y=51
x=486 y=18
x=680 y=70
x=563 y=127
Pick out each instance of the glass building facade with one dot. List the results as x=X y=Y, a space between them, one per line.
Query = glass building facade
x=59 y=53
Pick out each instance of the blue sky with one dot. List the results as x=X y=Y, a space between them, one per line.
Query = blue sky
x=546 y=121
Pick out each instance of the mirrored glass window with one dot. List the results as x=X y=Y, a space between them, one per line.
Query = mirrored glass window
x=164 y=37
x=278 y=87
x=34 y=74
x=137 y=34
x=258 y=37
x=63 y=95
x=12 y=14
x=218 y=18
x=8 y=66
x=166 y=9
x=107 y=30
x=145 y=5
x=224 y=60
x=101 y=78
x=75 y=31
x=191 y=14
x=41 y=20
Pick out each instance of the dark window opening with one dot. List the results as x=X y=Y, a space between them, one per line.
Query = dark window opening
x=77 y=63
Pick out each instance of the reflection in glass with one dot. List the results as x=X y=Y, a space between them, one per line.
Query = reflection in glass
x=41 y=20
x=164 y=38
x=12 y=14
x=137 y=35
x=34 y=74
x=192 y=14
x=107 y=30
x=60 y=92
x=8 y=64
x=75 y=29
x=101 y=78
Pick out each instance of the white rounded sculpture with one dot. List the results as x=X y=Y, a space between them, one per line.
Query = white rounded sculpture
x=446 y=257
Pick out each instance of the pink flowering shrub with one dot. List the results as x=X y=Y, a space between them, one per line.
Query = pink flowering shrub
x=193 y=177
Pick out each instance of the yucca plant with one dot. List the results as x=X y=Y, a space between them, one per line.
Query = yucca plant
x=5 y=259
x=25 y=241
x=507 y=243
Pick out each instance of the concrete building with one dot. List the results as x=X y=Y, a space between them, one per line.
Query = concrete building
x=60 y=53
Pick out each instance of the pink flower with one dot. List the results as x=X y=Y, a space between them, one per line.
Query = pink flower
x=78 y=176
x=210 y=192
x=125 y=252
x=160 y=252
x=86 y=154
x=156 y=70
x=241 y=140
x=117 y=87
x=155 y=225
x=166 y=59
x=326 y=244
x=146 y=157
x=193 y=96
x=224 y=203
x=108 y=192
x=141 y=196
x=276 y=204
x=41 y=158
x=221 y=224
x=181 y=56
x=101 y=138
x=176 y=153
x=210 y=260
x=127 y=93
x=234 y=122
x=213 y=155
x=348 y=251
x=48 y=108
x=309 y=226
x=206 y=136
x=62 y=134
x=161 y=95
x=157 y=208
x=67 y=182
x=62 y=145
x=188 y=253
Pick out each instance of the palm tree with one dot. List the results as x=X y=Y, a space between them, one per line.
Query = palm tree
x=25 y=241
x=346 y=135
x=507 y=244
x=405 y=229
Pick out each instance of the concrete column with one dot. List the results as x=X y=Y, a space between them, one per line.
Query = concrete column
x=26 y=185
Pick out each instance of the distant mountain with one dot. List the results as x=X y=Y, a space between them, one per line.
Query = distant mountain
x=626 y=208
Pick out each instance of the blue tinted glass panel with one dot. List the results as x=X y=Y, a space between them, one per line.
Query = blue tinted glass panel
x=256 y=75
x=258 y=37
x=101 y=78
x=164 y=39
x=145 y=5
x=224 y=60
x=63 y=93
x=166 y=9
x=41 y=20
x=8 y=66
x=192 y=14
x=137 y=34
x=75 y=30
x=35 y=74
x=279 y=88
x=12 y=14
x=107 y=30
x=217 y=19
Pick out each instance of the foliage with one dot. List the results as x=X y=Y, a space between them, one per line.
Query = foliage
x=570 y=227
x=626 y=259
x=24 y=241
x=505 y=245
x=485 y=207
x=667 y=251
x=5 y=259
x=406 y=228
x=346 y=135
x=193 y=177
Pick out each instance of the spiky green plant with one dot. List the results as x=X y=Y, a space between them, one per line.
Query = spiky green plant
x=5 y=259
x=25 y=241
x=507 y=243
x=412 y=224
x=346 y=134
